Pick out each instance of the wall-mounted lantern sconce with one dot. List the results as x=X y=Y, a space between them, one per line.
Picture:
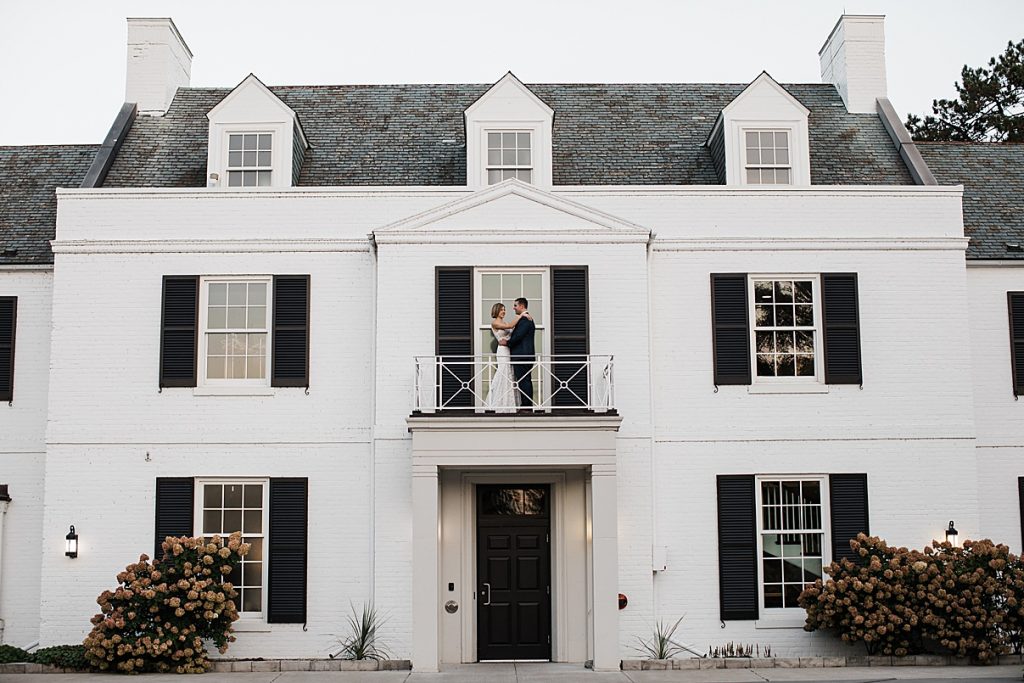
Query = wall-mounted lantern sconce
x=72 y=543
x=952 y=535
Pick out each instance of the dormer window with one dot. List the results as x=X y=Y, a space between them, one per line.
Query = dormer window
x=508 y=135
x=509 y=155
x=255 y=140
x=767 y=157
x=761 y=138
x=249 y=159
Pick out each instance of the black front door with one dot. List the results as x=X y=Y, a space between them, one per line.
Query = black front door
x=513 y=572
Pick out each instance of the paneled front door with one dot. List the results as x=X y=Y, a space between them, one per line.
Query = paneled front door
x=513 y=572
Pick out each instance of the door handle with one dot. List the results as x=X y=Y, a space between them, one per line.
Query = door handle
x=486 y=604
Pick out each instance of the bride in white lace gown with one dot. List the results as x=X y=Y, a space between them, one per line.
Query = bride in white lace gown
x=501 y=397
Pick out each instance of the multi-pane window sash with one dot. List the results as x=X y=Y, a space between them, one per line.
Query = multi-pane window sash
x=791 y=527
x=249 y=159
x=239 y=506
x=509 y=155
x=784 y=327
x=767 y=157
x=236 y=330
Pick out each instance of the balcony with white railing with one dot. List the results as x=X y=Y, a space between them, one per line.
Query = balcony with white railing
x=561 y=384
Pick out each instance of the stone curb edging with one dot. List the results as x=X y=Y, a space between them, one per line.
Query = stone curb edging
x=245 y=666
x=801 y=662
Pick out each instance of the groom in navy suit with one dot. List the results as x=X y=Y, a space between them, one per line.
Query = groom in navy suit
x=522 y=353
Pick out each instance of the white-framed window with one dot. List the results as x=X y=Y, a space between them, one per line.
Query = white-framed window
x=785 y=324
x=234 y=321
x=791 y=540
x=250 y=162
x=509 y=155
x=503 y=285
x=226 y=506
x=767 y=157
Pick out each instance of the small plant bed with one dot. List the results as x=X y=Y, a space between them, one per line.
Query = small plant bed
x=692 y=663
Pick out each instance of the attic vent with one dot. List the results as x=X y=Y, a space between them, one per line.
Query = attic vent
x=9 y=251
x=1013 y=246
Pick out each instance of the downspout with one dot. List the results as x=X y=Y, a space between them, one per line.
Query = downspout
x=373 y=420
x=5 y=500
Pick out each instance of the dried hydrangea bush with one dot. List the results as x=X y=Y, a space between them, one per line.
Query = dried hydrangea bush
x=964 y=601
x=162 y=612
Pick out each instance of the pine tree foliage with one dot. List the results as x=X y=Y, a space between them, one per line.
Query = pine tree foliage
x=989 y=105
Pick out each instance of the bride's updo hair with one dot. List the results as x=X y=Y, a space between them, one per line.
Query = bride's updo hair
x=496 y=309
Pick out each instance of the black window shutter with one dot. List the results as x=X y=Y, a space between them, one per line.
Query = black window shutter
x=841 y=327
x=730 y=324
x=454 y=327
x=1020 y=496
x=738 y=592
x=179 y=329
x=848 y=500
x=290 y=343
x=287 y=557
x=570 y=322
x=1015 y=301
x=175 y=497
x=8 y=323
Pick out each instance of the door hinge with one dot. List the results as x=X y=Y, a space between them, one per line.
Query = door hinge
x=547 y=538
x=549 y=640
x=549 y=590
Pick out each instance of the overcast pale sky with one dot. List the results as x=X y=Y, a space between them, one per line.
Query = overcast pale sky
x=62 y=79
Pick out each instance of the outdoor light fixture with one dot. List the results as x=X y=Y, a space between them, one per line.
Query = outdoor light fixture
x=72 y=541
x=952 y=535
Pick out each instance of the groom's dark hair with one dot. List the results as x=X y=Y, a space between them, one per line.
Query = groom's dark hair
x=523 y=301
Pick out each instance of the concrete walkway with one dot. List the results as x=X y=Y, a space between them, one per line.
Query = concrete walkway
x=566 y=673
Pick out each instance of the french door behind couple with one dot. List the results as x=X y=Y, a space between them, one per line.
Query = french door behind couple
x=504 y=286
x=513 y=572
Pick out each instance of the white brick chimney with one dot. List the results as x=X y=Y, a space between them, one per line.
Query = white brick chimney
x=853 y=59
x=159 y=62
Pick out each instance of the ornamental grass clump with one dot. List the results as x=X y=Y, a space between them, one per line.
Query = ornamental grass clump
x=965 y=601
x=162 y=612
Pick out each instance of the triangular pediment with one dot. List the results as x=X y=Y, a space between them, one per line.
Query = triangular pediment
x=764 y=94
x=508 y=94
x=251 y=101
x=514 y=209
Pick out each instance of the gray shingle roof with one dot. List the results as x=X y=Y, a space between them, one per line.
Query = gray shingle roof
x=28 y=204
x=626 y=134
x=993 y=179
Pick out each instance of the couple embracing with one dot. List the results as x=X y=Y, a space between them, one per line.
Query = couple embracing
x=516 y=358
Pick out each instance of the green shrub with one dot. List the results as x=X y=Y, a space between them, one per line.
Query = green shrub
x=9 y=653
x=160 y=614
x=965 y=601
x=62 y=657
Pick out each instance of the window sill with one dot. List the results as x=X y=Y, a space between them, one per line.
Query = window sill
x=778 y=621
x=234 y=391
x=251 y=626
x=786 y=388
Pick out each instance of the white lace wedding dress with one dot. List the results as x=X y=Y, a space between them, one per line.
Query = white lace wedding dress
x=501 y=397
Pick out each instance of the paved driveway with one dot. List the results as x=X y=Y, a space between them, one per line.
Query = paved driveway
x=564 y=673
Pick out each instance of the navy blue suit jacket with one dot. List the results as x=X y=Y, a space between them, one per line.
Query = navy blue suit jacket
x=521 y=341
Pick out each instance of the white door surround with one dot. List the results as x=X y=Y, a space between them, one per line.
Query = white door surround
x=576 y=456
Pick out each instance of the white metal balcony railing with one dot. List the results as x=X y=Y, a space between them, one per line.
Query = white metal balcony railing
x=560 y=383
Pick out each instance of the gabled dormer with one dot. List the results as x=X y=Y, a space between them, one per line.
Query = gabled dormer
x=255 y=139
x=760 y=138
x=508 y=135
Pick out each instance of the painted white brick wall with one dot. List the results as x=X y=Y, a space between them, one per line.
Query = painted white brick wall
x=997 y=413
x=22 y=445
x=853 y=59
x=108 y=492
x=650 y=308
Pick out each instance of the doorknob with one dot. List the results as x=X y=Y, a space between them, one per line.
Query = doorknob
x=488 y=594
